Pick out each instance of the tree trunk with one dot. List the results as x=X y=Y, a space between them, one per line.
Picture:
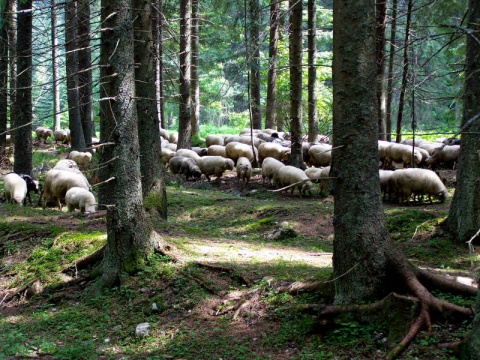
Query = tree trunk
x=312 y=72
x=403 y=90
x=55 y=67
x=464 y=215
x=73 y=96
x=359 y=222
x=153 y=183
x=194 y=71
x=23 y=104
x=85 y=71
x=129 y=237
x=270 y=111
x=254 y=61
x=12 y=49
x=295 y=48
x=4 y=80
x=381 y=27
x=393 y=32
x=158 y=43
x=184 y=120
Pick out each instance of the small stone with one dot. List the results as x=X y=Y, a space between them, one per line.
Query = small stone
x=154 y=307
x=142 y=330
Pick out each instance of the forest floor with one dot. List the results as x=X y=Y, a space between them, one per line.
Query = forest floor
x=238 y=248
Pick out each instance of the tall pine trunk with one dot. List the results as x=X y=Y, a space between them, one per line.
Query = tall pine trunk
x=381 y=27
x=23 y=103
x=295 y=47
x=3 y=80
x=194 y=72
x=391 y=56
x=55 y=67
x=312 y=71
x=270 y=111
x=185 y=108
x=254 y=61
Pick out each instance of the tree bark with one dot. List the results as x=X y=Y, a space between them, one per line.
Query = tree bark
x=464 y=215
x=4 y=80
x=312 y=72
x=381 y=27
x=129 y=236
x=153 y=183
x=55 y=67
x=23 y=103
x=403 y=89
x=295 y=47
x=393 y=32
x=73 y=96
x=254 y=61
x=12 y=49
x=270 y=111
x=184 y=121
x=85 y=71
x=158 y=41
x=194 y=71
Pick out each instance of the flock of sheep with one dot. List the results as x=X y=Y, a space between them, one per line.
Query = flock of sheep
x=66 y=183
x=271 y=150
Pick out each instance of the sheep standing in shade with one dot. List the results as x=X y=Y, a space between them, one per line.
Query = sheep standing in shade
x=185 y=166
x=270 y=167
x=234 y=150
x=274 y=150
x=244 y=169
x=43 y=133
x=32 y=185
x=61 y=136
x=295 y=178
x=58 y=182
x=79 y=198
x=215 y=165
x=15 y=189
x=81 y=158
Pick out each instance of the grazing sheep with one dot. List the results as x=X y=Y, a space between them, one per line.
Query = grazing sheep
x=167 y=154
x=446 y=155
x=215 y=165
x=296 y=178
x=412 y=142
x=429 y=146
x=234 y=150
x=248 y=140
x=173 y=137
x=401 y=153
x=15 y=189
x=244 y=169
x=32 y=185
x=79 y=198
x=247 y=132
x=270 y=167
x=214 y=139
x=452 y=141
x=188 y=153
x=81 y=158
x=171 y=146
x=232 y=138
x=164 y=134
x=315 y=175
x=274 y=150
x=200 y=151
x=406 y=182
x=320 y=155
x=217 y=150
x=61 y=136
x=67 y=164
x=43 y=133
x=58 y=182
x=185 y=166
x=385 y=184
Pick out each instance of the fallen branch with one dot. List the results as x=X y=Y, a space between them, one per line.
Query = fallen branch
x=245 y=280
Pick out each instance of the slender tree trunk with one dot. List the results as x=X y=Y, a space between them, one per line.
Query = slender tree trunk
x=403 y=90
x=128 y=231
x=23 y=105
x=381 y=19
x=158 y=39
x=295 y=47
x=194 y=70
x=391 y=56
x=55 y=66
x=464 y=216
x=73 y=96
x=312 y=71
x=12 y=50
x=3 y=79
x=85 y=70
x=270 y=111
x=153 y=183
x=184 y=123
x=254 y=61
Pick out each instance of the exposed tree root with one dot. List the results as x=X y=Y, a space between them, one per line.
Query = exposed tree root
x=440 y=282
x=254 y=296
x=86 y=261
x=231 y=271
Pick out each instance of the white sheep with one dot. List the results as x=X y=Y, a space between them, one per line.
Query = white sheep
x=171 y=146
x=295 y=178
x=173 y=137
x=406 y=182
x=215 y=165
x=79 y=198
x=188 y=153
x=58 y=182
x=385 y=183
x=429 y=146
x=244 y=169
x=320 y=155
x=43 y=133
x=15 y=189
x=185 y=166
x=167 y=154
x=164 y=134
x=214 y=139
x=446 y=155
x=401 y=153
x=270 y=167
x=81 y=158
x=217 y=150
x=61 y=136
x=320 y=176
x=248 y=140
x=67 y=164
x=234 y=150
x=275 y=150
